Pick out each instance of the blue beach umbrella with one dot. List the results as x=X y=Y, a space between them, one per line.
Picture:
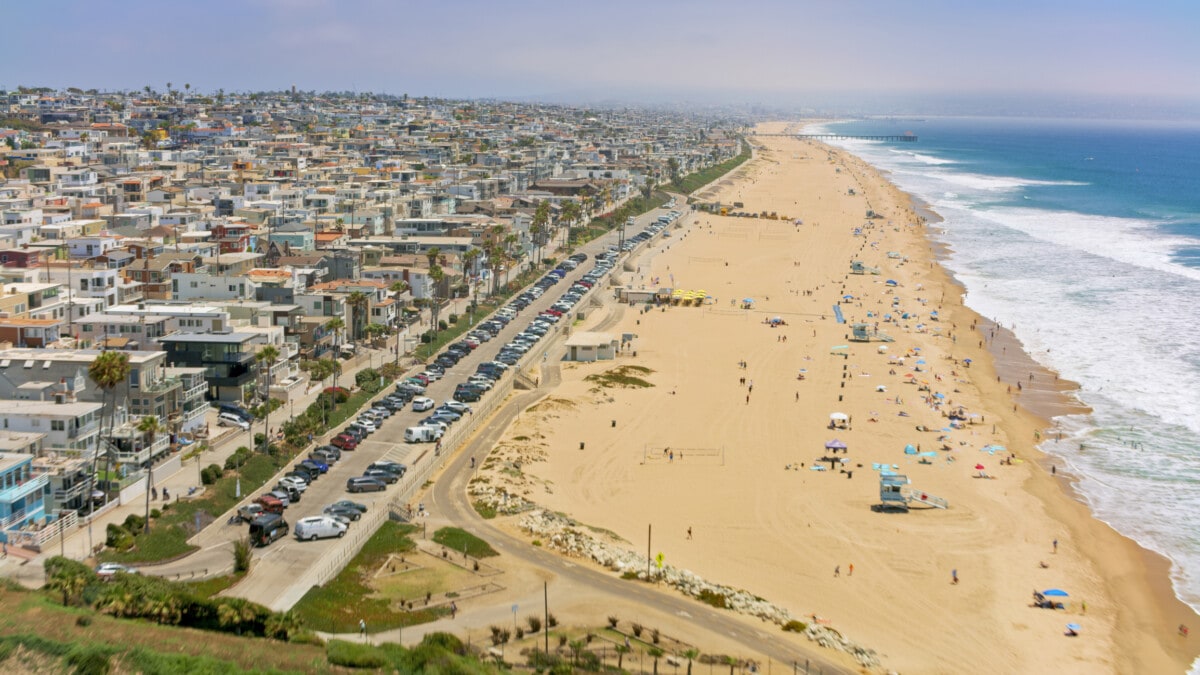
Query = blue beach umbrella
x=891 y=282
x=939 y=395
x=920 y=362
x=847 y=297
x=1054 y=593
x=910 y=449
x=966 y=360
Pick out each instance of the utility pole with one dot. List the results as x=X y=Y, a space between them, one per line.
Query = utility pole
x=546 y=617
x=649 y=529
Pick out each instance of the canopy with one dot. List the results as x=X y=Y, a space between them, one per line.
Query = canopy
x=979 y=467
x=910 y=449
x=1074 y=626
x=1054 y=593
x=747 y=299
x=839 y=417
x=835 y=444
x=891 y=282
x=847 y=297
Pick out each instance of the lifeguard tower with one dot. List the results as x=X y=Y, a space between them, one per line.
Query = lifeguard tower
x=863 y=332
x=858 y=267
x=895 y=492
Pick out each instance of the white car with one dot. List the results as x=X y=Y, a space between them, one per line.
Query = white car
x=293 y=482
x=381 y=411
x=422 y=403
x=231 y=420
x=367 y=423
x=432 y=376
x=486 y=382
x=458 y=407
x=110 y=569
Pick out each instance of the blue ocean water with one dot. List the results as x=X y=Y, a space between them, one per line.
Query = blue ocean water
x=1085 y=236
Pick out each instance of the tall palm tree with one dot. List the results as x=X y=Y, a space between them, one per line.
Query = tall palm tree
x=435 y=278
x=540 y=224
x=336 y=325
x=267 y=355
x=571 y=213
x=108 y=370
x=359 y=302
x=149 y=427
x=398 y=287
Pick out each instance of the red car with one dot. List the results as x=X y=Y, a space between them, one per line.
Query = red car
x=344 y=442
x=553 y=311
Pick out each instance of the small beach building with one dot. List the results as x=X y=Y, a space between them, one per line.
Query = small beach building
x=591 y=346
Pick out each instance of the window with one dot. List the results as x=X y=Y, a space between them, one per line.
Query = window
x=58 y=425
x=195 y=284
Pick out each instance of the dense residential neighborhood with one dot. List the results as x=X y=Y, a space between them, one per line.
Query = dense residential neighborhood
x=224 y=243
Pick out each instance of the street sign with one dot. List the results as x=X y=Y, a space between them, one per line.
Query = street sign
x=658 y=560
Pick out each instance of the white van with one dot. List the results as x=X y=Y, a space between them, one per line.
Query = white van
x=422 y=434
x=319 y=527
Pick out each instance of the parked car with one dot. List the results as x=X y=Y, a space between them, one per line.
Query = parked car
x=282 y=495
x=343 y=512
x=319 y=527
x=294 y=479
x=344 y=442
x=361 y=508
x=231 y=420
x=267 y=528
x=380 y=474
x=365 y=484
x=422 y=434
x=422 y=403
x=394 y=467
x=321 y=467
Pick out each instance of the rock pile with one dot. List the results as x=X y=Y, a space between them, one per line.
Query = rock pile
x=498 y=498
x=560 y=533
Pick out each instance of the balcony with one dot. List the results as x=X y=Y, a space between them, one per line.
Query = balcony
x=196 y=391
x=143 y=454
x=34 y=485
x=85 y=430
x=164 y=385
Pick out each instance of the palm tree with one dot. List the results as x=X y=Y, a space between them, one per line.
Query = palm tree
x=435 y=277
x=108 y=370
x=540 y=224
x=268 y=355
x=691 y=655
x=336 y=325
x=655 y=653
x=149 y=427
x=70 y=585
x=359 y=302
x=571 y=213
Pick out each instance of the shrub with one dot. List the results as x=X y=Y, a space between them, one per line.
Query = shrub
x=612 y=622
x=89 y=659
x=520 y=632
x=353 y=655
x=238 y=458
x=795 y=626
x=117 y=537
x=453 y=319
x=551 y=620
x=713 y=598
x=211 y=474
x=155 y=513
x=306 y=637
x=366 y=376
x=442 y=325
x=562 y=640
x=426 y=337
x=654 y=636
x=535 y=623
x=83 y=620
x=241 y=555
x=134 y=524
x=637 y=630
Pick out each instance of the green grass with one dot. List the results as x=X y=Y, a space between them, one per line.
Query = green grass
x=169 y=534
x=457 y=539
x=337 y=606
x=210 y=587
x=355 y=655
x=484 y=510
x=694 y=181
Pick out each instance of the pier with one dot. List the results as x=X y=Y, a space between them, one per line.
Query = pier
x=902 y=138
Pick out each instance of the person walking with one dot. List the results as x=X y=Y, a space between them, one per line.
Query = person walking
x=954 y=576
x=362 y=628
x=1056 y=546
x=689 y=532
x=851 y=570
x=453 y=610
x=837 y=571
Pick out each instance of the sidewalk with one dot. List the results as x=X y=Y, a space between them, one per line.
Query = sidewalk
x=27 y=567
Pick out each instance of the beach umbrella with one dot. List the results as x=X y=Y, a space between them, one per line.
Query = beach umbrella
x=838 y=417
x=910 y=449
x=747 y=299
x=920 y=362
x=909 y=375
x=835 y=444
x=891 y=282
x=966 y=360
x=1054 y=593
x=847 y=297
x=1073 y=627
x=939 y=395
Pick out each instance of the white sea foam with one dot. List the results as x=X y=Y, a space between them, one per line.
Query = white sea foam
x=1099 y=300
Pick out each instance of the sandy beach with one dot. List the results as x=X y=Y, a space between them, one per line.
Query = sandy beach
x=721 y=453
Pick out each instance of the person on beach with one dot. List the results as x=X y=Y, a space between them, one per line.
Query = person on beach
x=689 y=532
x=837 y=571
x=1056 y=546
x=362 y=627
x=954 y=576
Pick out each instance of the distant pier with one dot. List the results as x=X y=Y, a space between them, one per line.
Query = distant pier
x=902 y=138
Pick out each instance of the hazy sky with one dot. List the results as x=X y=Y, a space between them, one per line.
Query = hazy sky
x=774 y=51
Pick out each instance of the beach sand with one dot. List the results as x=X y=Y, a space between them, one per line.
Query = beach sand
x=700 y=450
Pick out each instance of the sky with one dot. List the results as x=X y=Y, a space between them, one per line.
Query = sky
x=773 y=52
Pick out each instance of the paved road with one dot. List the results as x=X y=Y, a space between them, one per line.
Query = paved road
x=449 y=499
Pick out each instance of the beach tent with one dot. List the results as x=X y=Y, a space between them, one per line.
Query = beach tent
x=838 y=417
x=835 y=444
x=910 y=449
x=891 y=282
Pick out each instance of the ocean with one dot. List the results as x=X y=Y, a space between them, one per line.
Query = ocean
x=1084 y=237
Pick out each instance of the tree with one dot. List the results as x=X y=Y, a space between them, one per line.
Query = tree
x=691 y=655
x=149 y=427
x=656 y=654
x=435 y=278
x=268 y=355
x=359 y=303
x=673 y=169
x=571 y=213
x=108 y=370
x=540 y=224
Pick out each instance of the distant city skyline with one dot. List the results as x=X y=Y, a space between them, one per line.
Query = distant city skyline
x=859 y=53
